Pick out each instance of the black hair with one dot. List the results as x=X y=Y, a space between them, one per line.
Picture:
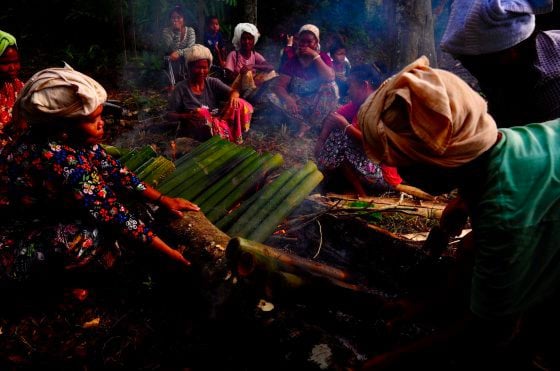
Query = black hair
x=211 y=17
x=366 y=72
x=177 y=9
x=336 y=46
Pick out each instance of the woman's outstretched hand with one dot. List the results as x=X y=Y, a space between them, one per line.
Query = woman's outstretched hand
x=177 y=205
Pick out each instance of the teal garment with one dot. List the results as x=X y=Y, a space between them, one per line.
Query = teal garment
x=516 y=223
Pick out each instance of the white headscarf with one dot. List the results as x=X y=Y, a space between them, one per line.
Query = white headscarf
x=59 y=92
x=310 y=28
x=244 y=27
x=487 y=26
x=198 y=52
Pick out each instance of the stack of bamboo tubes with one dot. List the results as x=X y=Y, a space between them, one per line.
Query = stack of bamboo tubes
x=217 y=174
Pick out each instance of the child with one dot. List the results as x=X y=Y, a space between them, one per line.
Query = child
x=248 y=67
x=10 y=84
x=341 y=66
x=213 y=40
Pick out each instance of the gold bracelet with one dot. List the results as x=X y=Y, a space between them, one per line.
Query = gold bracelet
x=346 y=128
x=317 y=56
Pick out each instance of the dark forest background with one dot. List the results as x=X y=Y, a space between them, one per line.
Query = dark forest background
x=117 y=40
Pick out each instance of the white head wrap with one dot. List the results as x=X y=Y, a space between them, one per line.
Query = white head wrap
x=244 y=27
x=59 y=92
x=310 y=28
x=198 y=52
x=487 y=26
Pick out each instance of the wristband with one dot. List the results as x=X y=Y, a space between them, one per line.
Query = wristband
x=346 y=128
x=317 y=56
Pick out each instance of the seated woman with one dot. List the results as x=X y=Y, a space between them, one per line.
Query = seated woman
x=10 y=84
x=248 y=67
x=176 y=39
x=197 y=101
x=306 y=86
x=339 y=147
x=65 y=201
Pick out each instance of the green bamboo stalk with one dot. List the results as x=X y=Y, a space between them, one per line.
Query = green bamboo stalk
x=199 y=149
x=247 y=223
x=268 y=199
x=163 y=168
x=217 y=210
x=143 y=170
x=205 y=169
x=249 y=163
x=115 y=152
x=246 y=256
x=182 y=174
x=191 y=162
x=143 y=155
x=201 y=185
x=128 y=156
x=296 y=197
x=226 y=222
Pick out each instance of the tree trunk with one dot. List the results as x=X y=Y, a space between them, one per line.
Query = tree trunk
x=250 y=11
x=410 y=32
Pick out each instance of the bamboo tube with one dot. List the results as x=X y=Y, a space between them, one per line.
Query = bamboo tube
x=185 y=174
x=226 y=222
x=139 y=171
x=142 y=156
x=205 y=170
x=162 y=169
x=232 y=178
x=203 y=184
x=246 y=256
x=266 y=206
x=188 y=164
x=268 y=202
x=198 y=149
x=128 y=156
x=296 y=197
x=219 y=209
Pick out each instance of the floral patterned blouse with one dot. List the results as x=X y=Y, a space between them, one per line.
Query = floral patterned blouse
x=42 y=179
x=9 y=91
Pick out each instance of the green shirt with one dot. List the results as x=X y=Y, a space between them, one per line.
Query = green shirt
x=516 y=223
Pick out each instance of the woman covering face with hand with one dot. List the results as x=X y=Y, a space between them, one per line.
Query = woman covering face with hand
x=65 y=201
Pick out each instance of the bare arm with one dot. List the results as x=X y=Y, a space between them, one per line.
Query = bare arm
x=280 y=88
x=325 y=71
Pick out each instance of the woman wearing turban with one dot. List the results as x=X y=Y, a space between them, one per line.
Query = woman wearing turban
x=508 y=182
x=10 y=84
x=249 y=67
x=64 y=200
x=516 y=64
x=197 y=102
x=306 y=86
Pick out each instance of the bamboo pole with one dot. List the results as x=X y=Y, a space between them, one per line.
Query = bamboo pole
x=226 y=222
x=250 y=162
x=267 y=204
x=196 y=188
x=206 y=170
x=184 y=173
x=199 y=149
x=249 y=182
x=296 y=197
x=246 y=256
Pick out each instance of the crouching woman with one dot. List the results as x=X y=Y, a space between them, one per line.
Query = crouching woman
x=66 y=202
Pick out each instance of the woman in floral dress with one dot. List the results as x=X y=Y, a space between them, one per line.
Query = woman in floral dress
x=64 y=200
